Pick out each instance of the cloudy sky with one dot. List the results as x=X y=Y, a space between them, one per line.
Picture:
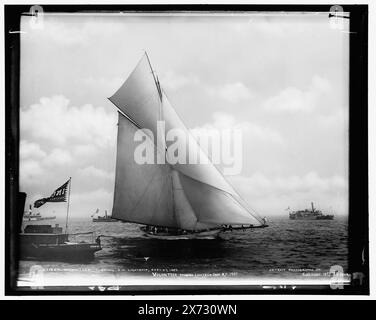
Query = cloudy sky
x=283 y=79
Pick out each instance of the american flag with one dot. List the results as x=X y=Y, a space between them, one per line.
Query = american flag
x=59 y=195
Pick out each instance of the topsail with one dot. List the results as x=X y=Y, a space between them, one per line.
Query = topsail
x=182 y=195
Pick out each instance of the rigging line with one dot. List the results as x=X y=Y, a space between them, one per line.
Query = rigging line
x=246 y=209
x=245 y=202
x=155 y=79
x=158 y=85
x=249 y=207
x=126 y=116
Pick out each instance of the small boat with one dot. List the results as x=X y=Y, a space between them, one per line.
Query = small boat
x=49 y=243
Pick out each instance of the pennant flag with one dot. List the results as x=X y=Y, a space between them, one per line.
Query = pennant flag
x=59 y=195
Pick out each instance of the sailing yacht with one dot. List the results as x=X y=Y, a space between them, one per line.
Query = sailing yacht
x=171 y=200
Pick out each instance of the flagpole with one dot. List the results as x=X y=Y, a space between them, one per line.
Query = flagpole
x=66 y=221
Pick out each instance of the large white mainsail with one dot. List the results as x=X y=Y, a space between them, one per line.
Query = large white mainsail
x=143 y=193
x=182 y=195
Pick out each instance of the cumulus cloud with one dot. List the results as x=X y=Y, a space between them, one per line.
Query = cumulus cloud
x=30 y=171
x=58 y=157
x=292 y=99
x=235 y=92
x=34 y=161
x=81 y=151
x=59 y=140
x=231 y=92
x=36 y=165
x=93 y=172
x=106 y=85
x=31 y=150
x=227 y=141
x=54 y=120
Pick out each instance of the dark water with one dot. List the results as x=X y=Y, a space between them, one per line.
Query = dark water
x=287 y=248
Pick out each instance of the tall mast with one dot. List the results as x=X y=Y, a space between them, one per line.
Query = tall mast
x=66 y=220
x=156 y=81
x=155 y=78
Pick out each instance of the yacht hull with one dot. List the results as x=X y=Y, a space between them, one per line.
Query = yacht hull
x=208 y=235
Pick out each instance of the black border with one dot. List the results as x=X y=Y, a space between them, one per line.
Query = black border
x=358 y=153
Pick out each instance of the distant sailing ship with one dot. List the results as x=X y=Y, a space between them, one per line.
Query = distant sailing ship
x=307 y=214
x=30 y=216
x=105 y=218
x=172 y=201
